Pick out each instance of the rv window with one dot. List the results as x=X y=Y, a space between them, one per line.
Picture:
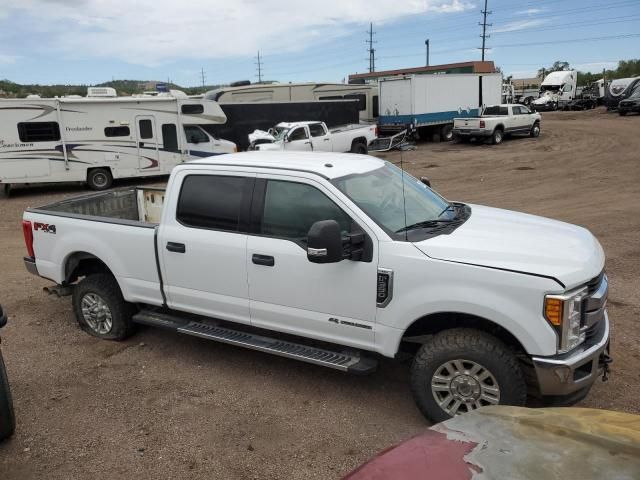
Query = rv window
x=170 y=137
x=195 y=134
x=376 y=106
x=146 y=129
x=317 y=130
x=116 y=132
x=361 y=97
x=192 y=109
x=39 y=132
x=208 y=201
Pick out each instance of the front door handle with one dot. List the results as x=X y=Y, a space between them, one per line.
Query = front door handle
x=176 y=247
x=266 y=260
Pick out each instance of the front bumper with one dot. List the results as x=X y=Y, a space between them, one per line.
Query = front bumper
x=30 y=265
x=562 y=375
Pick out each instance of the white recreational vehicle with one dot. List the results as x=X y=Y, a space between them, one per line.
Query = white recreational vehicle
x=556 y=90
x=100 y=137
x=367 y=95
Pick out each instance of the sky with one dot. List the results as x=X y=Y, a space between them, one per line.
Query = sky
x=92 y=41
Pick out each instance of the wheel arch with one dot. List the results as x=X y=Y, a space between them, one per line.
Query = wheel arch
x=80 y=264
x=434 y=323
x=357 y=140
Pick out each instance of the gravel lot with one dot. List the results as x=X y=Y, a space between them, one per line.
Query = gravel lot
x=167 y=406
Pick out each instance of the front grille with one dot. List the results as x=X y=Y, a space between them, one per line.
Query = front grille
x=594 y=283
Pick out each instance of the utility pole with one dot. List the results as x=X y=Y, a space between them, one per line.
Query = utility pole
x=372 y=51
x=259 y=66
x=426 y=42
x=484 y=26
x=203 y=77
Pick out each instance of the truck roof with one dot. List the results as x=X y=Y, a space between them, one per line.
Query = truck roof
x=327 y=165
x=295 y=124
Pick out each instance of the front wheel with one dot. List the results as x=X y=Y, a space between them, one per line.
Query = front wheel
x=535 y=130
x=460 y=370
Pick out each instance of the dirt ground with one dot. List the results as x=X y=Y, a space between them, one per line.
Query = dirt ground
x=161 y=405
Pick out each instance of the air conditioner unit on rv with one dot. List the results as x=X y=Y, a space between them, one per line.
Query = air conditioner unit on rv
x=101 y=92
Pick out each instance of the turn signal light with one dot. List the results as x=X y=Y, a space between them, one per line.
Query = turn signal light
x=481 y=123
x=553 y=311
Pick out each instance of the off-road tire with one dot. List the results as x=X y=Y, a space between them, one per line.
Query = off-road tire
x=106 y=287
x=359 y=148
x=99 y=179
x=7 y=417
x=468 y=344
x=497 y=136
x=535 y=130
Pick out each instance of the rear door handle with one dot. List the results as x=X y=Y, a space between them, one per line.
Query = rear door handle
x=176 y=247
x=266 y=260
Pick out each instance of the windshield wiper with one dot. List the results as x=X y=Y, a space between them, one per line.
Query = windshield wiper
x=449 y=207
x=423 y=224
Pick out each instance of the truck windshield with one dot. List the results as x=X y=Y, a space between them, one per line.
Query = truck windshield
x=379 y=193
x=279 y=132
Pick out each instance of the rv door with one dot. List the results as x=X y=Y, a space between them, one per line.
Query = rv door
x=148 y=155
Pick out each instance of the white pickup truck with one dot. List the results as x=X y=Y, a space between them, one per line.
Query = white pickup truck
x=314 y=136
x=337 y=260
x=497 y=121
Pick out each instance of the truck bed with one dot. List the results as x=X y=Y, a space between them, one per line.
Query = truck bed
x=131 y=206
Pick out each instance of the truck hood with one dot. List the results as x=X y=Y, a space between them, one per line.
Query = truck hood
x=508 y=240
x=546 y=98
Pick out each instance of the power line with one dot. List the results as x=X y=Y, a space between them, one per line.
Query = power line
x=259 y=66
x=372 y=51
x=484 y=25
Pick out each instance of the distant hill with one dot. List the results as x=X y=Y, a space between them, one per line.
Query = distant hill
x=9 y=89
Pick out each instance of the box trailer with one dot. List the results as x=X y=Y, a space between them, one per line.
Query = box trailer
x=427 y=104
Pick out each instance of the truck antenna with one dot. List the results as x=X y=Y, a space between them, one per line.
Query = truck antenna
x=404 y=201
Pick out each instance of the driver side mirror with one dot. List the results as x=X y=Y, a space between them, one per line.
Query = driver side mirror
x=426 y=181
x=324 y=242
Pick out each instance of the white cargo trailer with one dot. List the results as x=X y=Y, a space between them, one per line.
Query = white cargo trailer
x=428 y=104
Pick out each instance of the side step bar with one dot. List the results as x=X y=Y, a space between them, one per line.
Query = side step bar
x=350 y=362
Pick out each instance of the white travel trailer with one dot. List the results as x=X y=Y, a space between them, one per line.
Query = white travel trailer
x=102 y=137
x=367 y=95
x=556 y=90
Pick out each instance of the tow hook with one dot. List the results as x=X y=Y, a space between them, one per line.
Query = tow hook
x=604 y=361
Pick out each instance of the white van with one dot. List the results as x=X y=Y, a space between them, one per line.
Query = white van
x=102 y=137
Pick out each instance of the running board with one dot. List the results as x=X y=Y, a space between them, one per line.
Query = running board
x=350 y=362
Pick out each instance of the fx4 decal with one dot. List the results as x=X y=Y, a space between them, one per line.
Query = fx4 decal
x=44 y=227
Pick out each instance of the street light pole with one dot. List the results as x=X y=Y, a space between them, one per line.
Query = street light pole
x=426 y=42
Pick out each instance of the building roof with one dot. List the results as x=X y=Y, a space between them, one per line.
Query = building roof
x=328 y=165
x=478 y=67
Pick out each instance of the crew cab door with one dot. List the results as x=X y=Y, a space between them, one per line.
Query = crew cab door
x=298 y=140
x=332 y=302
x=202 y=244
x=320 y=138
x=148 y=156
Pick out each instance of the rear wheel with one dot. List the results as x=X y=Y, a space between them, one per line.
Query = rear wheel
x=497 y=136
x=99 y=179
x=360 y=148
x=7 y=417
x=446 y=133
x=100 y=308
x=460 y=370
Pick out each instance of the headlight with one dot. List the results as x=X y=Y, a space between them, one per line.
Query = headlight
x=564 y=313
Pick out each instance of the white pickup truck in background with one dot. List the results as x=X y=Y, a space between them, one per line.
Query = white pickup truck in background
x=353 y=258
x=496 y=122
x=314 y=136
